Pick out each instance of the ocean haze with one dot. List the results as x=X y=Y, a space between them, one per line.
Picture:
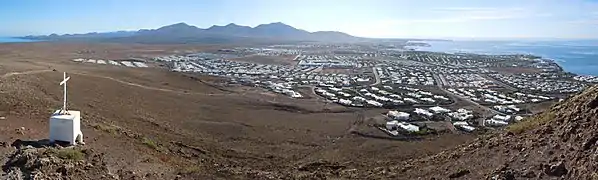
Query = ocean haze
x=12 y=39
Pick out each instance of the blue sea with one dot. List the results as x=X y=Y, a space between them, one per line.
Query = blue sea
x=11 y=39
x=580 y=57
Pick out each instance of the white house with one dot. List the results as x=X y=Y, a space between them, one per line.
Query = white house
x=502 y=118
x=493 y=122
x=466 y=128
x=392 y=125
x=408 y=127
x=439 y=109
x=460 y=123
x=398 y=115
x=423 y=112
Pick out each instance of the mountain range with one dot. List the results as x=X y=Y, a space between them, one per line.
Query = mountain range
x=182 y=33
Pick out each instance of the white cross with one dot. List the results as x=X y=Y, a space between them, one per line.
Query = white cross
x=65 y=79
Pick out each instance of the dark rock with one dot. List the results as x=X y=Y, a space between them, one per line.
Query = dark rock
x=504 y=175
x=459 y=173
x=62 y=170
x=589 y=143
x=557 y=169
x=593 y=103
x=529 y=174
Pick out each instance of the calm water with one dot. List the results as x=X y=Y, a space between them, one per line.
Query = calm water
x=580 y=57
x=10 y=39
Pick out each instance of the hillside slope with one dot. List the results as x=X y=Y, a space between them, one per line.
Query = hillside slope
x=559 y=143
x=151 y=123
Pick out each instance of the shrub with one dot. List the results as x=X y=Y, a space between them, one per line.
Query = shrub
x=150 y=143
x=191 y=169
x=71 y=154
x=530 y=123
x=108 y=128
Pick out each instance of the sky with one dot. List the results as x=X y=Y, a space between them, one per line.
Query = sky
x=477 y=19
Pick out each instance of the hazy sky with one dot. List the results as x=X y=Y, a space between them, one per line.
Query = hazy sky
x=368 y=18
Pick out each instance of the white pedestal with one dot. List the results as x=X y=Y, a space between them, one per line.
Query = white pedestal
x=66 y=127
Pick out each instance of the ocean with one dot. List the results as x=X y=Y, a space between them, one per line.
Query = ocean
x=579 y=57
x=11 y=39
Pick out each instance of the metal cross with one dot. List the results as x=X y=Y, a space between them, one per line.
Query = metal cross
x=63 y=83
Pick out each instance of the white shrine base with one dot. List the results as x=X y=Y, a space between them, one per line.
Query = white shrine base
x=66 y=127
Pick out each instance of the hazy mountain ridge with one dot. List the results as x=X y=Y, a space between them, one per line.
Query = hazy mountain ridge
x=184 y=33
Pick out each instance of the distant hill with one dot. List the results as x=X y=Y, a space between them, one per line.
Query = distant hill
x=231 y=33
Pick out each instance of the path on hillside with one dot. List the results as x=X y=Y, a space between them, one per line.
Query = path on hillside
x=7 y=75
x=10 y=74
x=179 y=91
x=176 y=91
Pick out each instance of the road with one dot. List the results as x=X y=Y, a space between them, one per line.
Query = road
x=313 y=91
x=376 y=76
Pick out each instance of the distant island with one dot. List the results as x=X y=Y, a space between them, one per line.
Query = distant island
x=182 y=33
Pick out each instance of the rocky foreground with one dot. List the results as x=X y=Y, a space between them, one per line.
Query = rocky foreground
x=560 y=143
x=41 y=160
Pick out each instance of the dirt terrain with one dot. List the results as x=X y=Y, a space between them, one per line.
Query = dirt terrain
x=560 y=143
x=150 y=123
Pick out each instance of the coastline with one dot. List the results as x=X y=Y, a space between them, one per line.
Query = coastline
x=577 y=59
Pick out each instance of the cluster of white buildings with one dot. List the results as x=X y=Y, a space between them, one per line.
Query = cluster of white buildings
x=404 y=75
x=430 y=112
x=540 y=84
x=587 y=78
x=451 y=60
x=488 y=96
x=380 y=96
x=133 y=64
x=196 y=57
x=444 y=70
x=329 y=63
x=219 y=67
x=332 y=61
x=329 y=78
x=501 y=120
x=345 y=97
x=509 y=109
x=398 y=121
x=461 y=119
x=302 y=75
x=283 y=88
x=403 y=95
x=271 y=51
x=466 y=80
x=461 y=115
